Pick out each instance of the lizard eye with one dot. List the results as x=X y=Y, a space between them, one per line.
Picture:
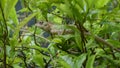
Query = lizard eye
x=41 y=22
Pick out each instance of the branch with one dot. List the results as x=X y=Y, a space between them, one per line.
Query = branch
x=99 y=39
x=85 y=32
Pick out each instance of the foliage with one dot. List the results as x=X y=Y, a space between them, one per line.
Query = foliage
x=64 y=34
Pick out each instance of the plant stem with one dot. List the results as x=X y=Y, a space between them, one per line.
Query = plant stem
x=5 y=36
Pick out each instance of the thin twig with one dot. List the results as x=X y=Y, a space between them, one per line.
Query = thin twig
x=99 y=39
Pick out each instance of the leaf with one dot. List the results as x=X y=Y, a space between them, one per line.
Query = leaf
x=23 y=10
x=111 y=60
x=68 y=60
x=16 y=66
x=55 y=1
x=8 y=49
x=90 y=61
x=65 y=9
x=37 y=48
x=13 y=16
x=78 y=40
x=57 y=40
x=68 y=36
x=90 y=3
x=100 y=3
x=79 y=61
x=17 y=60
x=52 y=48
x=3 y=3
x=26 y=20
x=9 y=6
x=38 y=59
x=22 y=23
x=99 y=51
x=77 y=12
x=81 y=3
x=114 y=42
x=64 y=64
x=76 y=36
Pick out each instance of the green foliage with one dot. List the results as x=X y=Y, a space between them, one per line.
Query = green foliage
x=90 y=61
x=64 y=34
x=80 y=60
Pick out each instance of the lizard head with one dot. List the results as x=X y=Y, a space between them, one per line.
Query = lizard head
x=44 y=25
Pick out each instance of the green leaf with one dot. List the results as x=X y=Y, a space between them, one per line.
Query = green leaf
x=22 y=23
x=8 y=49
x=68 y=60
x=90 y=61
x=13 y=16
x=37 y=48
x=9 y=6
x=78 y=40
x=13 y=42
x=3 y=3
x=114 y=42
x=68 y=36
x=64 y=64
x=55 y=1
x=81 y=3
x=76 y=36
x=57 y=40
x=65 y=9
x=90 y=3
x=100 y=3
x=16 y=66
x=99 y=51
x=26 y=20
x=111 y=60
x=79 y=61
x=23 y=10
x=38 y=59
x=52 y=48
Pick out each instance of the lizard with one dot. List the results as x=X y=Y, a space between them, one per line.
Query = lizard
x=55 y=29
